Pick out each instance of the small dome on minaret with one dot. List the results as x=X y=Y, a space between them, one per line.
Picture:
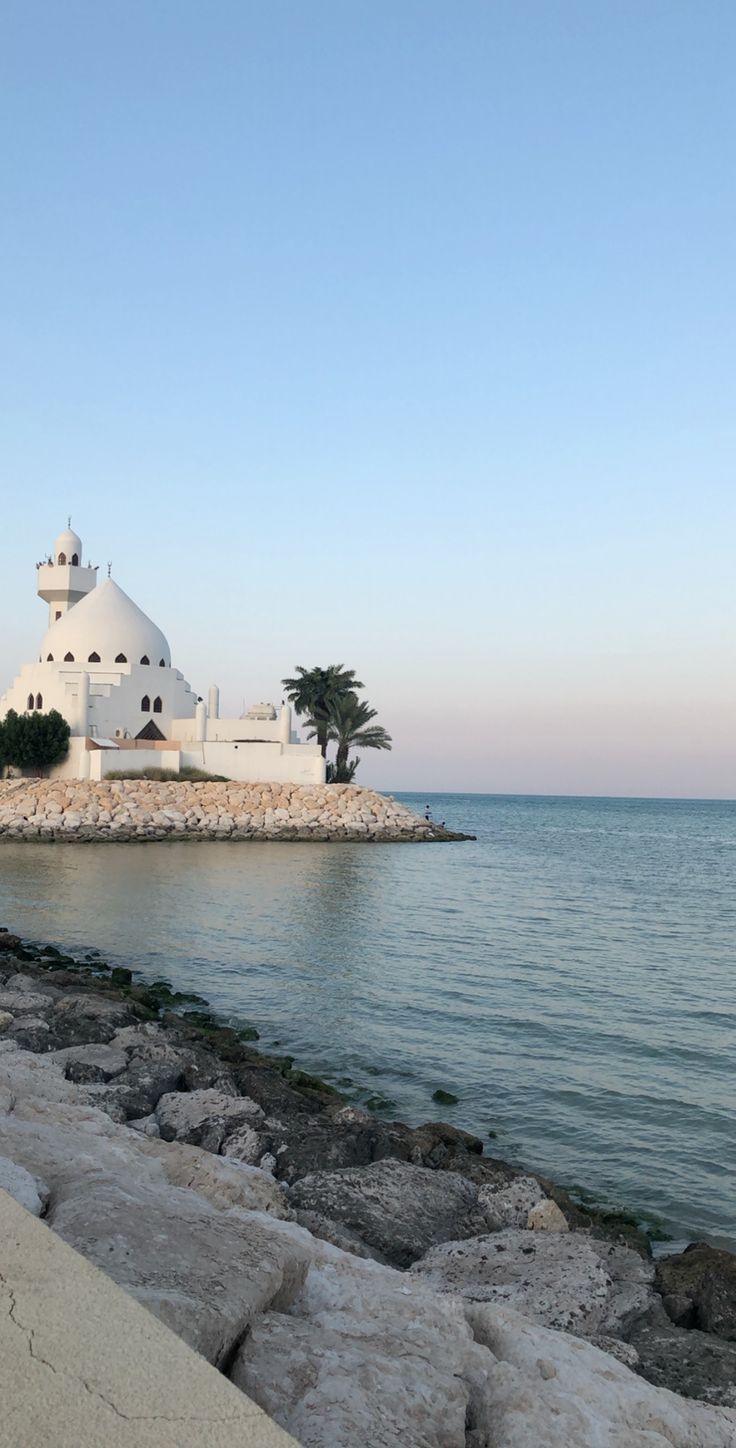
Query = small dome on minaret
x=68 y=548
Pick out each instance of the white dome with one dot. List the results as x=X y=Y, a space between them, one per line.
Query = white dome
x=109 y=624
x=68 y=543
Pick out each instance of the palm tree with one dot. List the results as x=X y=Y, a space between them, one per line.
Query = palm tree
x=315 y=691
x=349 y=726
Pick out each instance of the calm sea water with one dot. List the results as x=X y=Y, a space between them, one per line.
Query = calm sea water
x=570 y=976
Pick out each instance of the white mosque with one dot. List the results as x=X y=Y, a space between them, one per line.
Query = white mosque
x=107 y=668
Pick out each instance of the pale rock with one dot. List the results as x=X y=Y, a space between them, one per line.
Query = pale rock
x=245 y=1144
x=6 y=1019
x=508 y=1205
x=32 y=1193
x=557 y=1279
x=535 y=1388
x=205 y=1117
x=365 y=1357
x=547 y=1217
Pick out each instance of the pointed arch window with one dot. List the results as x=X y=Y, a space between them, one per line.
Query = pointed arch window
x=145 y=659
x=62 y=558
x=39 y=701
x=49 y=658
x=145 y=704
x=157 y=705
x=29 y=705
x=94 y=658
x=75 y=560
x=120 y=659
x=162 y=663
x=68 y=658
x=57 y=615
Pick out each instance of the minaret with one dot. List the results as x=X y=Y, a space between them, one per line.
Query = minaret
x=62 y=580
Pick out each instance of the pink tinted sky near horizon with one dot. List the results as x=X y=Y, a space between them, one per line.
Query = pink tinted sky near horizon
x=401 y=337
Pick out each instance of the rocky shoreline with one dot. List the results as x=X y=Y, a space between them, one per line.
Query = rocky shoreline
x=364 y=1281
x=140 y=810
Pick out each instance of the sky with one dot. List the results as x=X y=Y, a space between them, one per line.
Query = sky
x=391 y=333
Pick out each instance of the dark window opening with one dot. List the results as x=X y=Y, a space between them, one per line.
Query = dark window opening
x=29 y=705
x=145 y=659
x=57 y=614
x=150 y=731
x=120 y=659
x=94 y=658
x=68 y=658
x=145 y=704
x=157 y=705
x=75 y=560
x=62 y=558
x=39 y=701
x=49 y=658
x=162 y=663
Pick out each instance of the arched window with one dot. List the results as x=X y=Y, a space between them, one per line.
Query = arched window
x=157 y=705
x=75 y=560
x=145 y=704
x=62 y=558
x=120 y=659
x=94 y=658
x=145 y=659
x=57 y=615
x=68 y=658
x=39 y=701
x=29 y=705
x=49 y=658
x=162 y=663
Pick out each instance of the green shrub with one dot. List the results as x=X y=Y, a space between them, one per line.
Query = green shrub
x=189 y=772
x=33 y=742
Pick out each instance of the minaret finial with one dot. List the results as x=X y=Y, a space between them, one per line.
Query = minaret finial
x=109 y=569
x=69 y=521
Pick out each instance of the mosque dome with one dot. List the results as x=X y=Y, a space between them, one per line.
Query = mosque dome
x=68 y=547
x=105 y=627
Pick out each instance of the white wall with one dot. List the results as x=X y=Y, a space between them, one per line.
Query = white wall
x=258 y=763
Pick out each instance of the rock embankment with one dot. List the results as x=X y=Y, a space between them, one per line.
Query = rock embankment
x=144 y=809
x=367 y=1283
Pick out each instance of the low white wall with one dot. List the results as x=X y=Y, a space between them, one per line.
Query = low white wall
x=258 y=763
x=82 y=1365
x=109 y=761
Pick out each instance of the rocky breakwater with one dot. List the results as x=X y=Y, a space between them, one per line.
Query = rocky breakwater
x=143 y=809
x=365 y=1282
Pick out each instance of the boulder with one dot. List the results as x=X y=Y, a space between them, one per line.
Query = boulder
x=507 y=1204
x=365 y=1357
x=534 y=1387
x=547 y=1217
x=687 y=1361
x=225 y=1183
x=204 y=1118
x=699 y=1289
x=206 y=1272
x=91 y=1062
x=563 y=1281
x=28 y=1190
x=397 y=1209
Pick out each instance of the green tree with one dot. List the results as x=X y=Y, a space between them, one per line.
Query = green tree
x=316 y=692
x=349 y=727
x=34 y=741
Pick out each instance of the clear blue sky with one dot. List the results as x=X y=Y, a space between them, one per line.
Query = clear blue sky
x=395 y=333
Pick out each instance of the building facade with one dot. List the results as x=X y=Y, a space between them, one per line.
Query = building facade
x=107 y=668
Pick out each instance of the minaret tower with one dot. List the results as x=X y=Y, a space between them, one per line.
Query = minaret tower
x=62 y=580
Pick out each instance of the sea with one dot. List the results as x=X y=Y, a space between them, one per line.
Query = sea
x=568 y=976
